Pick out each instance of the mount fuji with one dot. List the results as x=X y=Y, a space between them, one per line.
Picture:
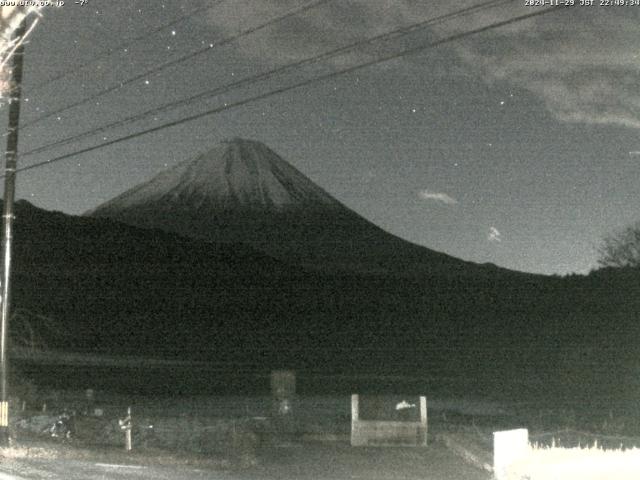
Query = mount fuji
x=343 y=295
x=243 y=192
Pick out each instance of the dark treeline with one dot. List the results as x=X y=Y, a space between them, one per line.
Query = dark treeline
x=108 y=288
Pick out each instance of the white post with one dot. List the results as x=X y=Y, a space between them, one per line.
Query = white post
x=423 y=416
x=423 y=410
x=355 y=417
x=128 y=445
x=355 y=414
x=125 y=424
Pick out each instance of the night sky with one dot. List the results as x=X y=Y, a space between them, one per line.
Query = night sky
x=518 y=145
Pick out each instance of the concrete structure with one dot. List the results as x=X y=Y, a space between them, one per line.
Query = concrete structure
x=509 y=447
x=372 y=432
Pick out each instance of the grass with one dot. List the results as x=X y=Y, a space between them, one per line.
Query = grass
x=464 y=426
x=15 y=452
x=579 y=463
x=38 y=449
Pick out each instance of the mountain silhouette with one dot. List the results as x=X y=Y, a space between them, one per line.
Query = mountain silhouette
x=94 y=285
x=243 y=192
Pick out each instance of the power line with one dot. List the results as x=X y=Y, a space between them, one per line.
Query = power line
x=291 y=87
x=265 y=75
x=111 y=51
x=177 y=61
x=263 y=96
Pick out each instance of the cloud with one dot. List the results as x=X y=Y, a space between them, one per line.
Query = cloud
x=494 y=235
x=437 y=196
x=327 y=26
x=581 y=63
x=583 y=68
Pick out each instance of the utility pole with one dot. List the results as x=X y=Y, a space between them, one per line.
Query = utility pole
x=11 y=162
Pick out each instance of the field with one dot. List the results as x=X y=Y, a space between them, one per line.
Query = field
x=318 y=449
x=221 y=422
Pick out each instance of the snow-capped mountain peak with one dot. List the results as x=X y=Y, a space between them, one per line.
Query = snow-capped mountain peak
x=243 y=192
x=239 y=173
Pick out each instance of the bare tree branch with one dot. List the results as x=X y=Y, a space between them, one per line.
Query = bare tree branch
x=622 y=248
x=10 y=19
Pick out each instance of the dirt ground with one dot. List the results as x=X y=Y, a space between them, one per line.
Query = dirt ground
x=341 y=461
x=320 y=450
x=313 y=461
x=459 y=440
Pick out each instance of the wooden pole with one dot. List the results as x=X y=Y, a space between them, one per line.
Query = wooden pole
x=11 y=161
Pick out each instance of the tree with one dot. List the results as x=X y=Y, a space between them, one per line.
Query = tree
x=10 y=19
x=622 y=248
